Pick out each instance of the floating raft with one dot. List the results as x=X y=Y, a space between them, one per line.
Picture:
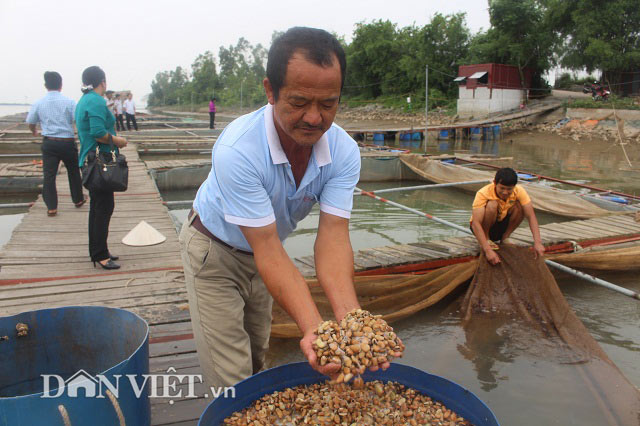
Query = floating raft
x=46 y=264
x=420 y=257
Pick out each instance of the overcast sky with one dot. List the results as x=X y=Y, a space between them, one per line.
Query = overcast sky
x=133 y=40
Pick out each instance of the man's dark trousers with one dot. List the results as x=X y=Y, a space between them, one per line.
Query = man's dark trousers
x=54 y=151
x=131 y=117
x=119 y=122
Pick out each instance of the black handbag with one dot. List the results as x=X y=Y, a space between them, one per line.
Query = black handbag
x=108 y=172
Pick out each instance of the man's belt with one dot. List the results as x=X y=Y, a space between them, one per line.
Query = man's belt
x=51 y=138
x=197 y=223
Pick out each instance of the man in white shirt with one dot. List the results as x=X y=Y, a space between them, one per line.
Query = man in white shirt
x=130 y=112
x=117 y=111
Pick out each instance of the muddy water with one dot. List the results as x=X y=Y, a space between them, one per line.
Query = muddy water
x=519 y=383
x=592 y=161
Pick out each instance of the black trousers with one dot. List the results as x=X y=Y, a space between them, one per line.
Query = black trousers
x=52 y=153
x=212 y=118
x=119 y=122
x=131 y=117
x=100 y=210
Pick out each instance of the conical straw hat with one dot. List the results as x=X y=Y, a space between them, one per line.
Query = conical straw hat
x=143 y=235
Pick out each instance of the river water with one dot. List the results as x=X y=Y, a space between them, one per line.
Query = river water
x=519 y=384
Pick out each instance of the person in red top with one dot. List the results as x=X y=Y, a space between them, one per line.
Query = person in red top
x=212 y=112
x=498 y=209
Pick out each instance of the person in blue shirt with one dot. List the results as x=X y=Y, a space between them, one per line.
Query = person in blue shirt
x=54 y=113
x=269 y=168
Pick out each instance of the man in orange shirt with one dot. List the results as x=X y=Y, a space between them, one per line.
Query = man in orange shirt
x=498 y=209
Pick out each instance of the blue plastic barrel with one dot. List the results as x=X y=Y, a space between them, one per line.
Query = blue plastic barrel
x=487 y=133
x=86 y=347
x=452 y=395
x=444 y=134
x=475 y=132
x=378 y=139
x=416 y=136
x=496 y=130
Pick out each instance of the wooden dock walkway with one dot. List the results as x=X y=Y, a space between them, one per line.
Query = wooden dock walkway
x=518 y=115
x=46 y=264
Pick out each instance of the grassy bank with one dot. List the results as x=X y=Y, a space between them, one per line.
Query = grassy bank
x=613 y=102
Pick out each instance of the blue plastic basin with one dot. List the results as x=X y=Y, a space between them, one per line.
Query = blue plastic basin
x=62 y=342
x=454 y=396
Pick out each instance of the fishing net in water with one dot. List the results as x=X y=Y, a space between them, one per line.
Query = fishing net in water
x=522 y=288
x=544 y=198
x=393 y=296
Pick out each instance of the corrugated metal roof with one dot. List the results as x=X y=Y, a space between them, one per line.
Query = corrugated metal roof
x=479 y=74
x=459 y=78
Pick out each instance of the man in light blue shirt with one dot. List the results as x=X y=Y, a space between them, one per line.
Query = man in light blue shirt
x=55 y=113
x=268 y=170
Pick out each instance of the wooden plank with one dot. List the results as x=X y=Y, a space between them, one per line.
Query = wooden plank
x=307 y=260
x=97 y=294
x=453 y=251
x=396 y=258
x=179 y=412
x=589 y=231
x=379 y=257
x=565 y=231
x=426 y=253
x=305 y=270
x=625 y=221
x=365 y=262
x=610 y=229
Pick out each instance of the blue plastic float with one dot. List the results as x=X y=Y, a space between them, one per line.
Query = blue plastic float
x=527 y=176
x=77 y=344
x=452 y=395
x=616 y=199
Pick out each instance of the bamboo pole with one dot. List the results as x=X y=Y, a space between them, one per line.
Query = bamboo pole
x=563 y=268
x=15 y=205
x=430 y=186
x=402 y=188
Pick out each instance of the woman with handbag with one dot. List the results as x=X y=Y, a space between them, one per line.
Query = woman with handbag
x=97 y=135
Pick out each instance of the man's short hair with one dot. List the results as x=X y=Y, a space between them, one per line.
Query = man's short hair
x=52 y=80
x=109 y=92
x=506 y=176
x=318 y=46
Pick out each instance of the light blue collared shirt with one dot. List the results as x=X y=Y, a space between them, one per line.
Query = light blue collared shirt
x=54 y=112
x=251 y=182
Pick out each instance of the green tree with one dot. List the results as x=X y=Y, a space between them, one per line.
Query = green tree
x=442 y=44
x=599 y=35
x=204 y=77
x=159 y=89
x=389 y=62
x=520 y=34
x=373 y=58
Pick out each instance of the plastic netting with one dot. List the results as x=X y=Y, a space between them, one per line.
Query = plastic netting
x=522 y=288
x=552 y=200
